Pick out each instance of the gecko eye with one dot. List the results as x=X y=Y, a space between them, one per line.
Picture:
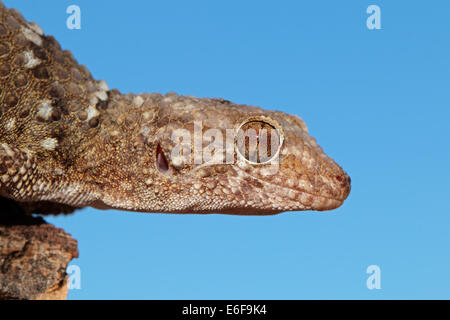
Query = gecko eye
x=258 y=141
x=161 y=161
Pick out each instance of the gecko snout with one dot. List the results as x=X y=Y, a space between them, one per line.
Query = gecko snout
x=344 y=182
x=315 y=180
x=330 y=191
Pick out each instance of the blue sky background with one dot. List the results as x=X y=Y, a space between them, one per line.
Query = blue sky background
x=377 y=102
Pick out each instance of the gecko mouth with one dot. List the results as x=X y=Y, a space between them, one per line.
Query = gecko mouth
x=290 y=198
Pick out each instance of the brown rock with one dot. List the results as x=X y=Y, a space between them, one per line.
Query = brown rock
x=33 y=256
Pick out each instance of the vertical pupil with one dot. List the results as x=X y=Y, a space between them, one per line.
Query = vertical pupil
x=255 y=141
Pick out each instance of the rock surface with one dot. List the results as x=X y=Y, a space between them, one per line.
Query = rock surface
x=33 y=256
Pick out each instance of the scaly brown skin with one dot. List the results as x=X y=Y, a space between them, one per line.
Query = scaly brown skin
x=68 y=141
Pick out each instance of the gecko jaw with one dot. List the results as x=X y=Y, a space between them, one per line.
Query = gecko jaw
x=293 y=199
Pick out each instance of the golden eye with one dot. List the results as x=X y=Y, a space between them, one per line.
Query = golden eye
x=258 y=141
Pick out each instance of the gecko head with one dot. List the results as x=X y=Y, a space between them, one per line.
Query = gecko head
x=212 y=156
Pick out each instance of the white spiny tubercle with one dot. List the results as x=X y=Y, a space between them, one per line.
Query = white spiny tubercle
x=32 y=36
x=8 y=150
x=10 y=125
x=101 y=95
x=45 y=110
x=31 y=60
x=102 y=85
x=36 y=28
x=91 y=112
x=49 y=144
x=138 y=101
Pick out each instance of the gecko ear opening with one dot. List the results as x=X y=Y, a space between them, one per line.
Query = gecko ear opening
x=161 y=161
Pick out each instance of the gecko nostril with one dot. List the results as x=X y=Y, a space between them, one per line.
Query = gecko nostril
x=161 y=160
x=339 y=178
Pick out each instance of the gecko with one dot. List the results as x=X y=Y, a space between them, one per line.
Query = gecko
x=67 y=141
